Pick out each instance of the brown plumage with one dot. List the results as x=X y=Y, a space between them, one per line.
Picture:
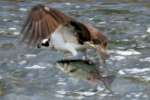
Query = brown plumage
x=42 y=22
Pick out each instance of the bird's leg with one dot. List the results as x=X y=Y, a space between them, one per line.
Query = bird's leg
x=72 y=50
x=70 y=55
x=87 y=48
x=87 y=57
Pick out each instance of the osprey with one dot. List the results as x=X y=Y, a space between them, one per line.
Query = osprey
x=45 y=26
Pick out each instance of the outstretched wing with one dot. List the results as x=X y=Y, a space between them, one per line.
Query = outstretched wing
x=83 y=33
x=41 y=22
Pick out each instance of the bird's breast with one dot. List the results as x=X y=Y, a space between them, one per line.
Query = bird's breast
x=60 y=39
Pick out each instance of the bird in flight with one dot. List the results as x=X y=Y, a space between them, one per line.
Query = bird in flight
x=46 y=26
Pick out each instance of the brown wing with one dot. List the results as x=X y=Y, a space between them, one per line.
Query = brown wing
x=41 y=22
x=82 y=31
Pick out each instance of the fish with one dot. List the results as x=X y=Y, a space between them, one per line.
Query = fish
x=85 y=70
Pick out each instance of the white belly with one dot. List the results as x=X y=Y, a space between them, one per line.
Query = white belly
x=59 y=43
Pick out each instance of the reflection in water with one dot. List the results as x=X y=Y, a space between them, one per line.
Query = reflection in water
x=86 y=70
x=29 y=74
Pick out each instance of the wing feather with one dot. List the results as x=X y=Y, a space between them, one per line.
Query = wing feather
x=35 y=34
x=30 y=35
x=25 y=30
x=82 y=31
x=41 y=23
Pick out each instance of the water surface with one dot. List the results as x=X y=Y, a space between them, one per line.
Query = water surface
x=29 y=74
